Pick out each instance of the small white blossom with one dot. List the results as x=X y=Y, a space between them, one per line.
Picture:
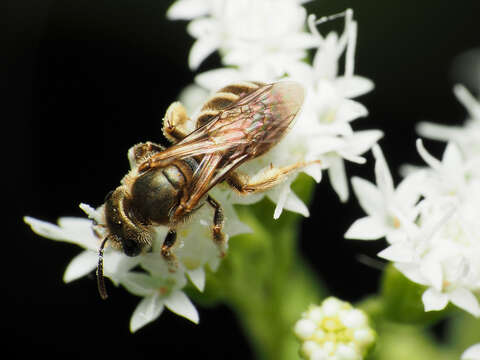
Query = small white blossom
x=385 y=206
x=472 y=353
x=334 y=330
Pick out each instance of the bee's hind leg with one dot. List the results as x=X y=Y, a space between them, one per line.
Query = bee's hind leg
x=175 y=123
x=217 y=229
x=266 y=179
x=166 y=250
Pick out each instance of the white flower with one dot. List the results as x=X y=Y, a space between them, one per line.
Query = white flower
x=386 y=207
x=466 y=137
x=472 y=353
x=246 y=32
x=334 y=330
x=323 y=129
x=78 y=231
x=435 y=241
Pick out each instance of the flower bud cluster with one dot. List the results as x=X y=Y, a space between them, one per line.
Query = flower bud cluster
x=334 y=331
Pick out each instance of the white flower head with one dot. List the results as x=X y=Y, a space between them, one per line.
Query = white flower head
x=322 y=131
x=334 y=330
x=265 y=35
x=430 y=222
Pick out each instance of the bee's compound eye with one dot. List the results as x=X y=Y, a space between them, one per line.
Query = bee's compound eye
x=130 y=247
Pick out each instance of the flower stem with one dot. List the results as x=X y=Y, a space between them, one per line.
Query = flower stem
x=265 y=280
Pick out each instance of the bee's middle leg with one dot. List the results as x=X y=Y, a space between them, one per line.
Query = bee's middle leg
x=217 y=229
x=175 y=123
x=166 y=250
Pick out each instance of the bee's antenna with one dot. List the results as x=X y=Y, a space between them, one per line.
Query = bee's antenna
x=100 y=279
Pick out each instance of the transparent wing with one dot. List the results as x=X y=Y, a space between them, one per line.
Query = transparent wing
x=250 y=126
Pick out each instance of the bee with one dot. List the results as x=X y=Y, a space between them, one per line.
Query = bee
x=166 y=185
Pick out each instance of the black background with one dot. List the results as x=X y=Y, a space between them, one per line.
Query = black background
x=86 y=79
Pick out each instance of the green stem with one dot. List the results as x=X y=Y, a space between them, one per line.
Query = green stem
x=265 y=280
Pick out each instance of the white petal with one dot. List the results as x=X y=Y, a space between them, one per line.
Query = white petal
x=314 y=171
x=200 y=50
x=218 y=78
x=45 y=229
x=452 y=157
x=350 y=110
x=295 y=204
x=398 y=253
x=187 y=9
x=472 y=353
x=74 y=230
x=354 y=86
x=181 y=305
x=352 y=157
x=367 y=228
x=439 y=132
x=408 y=191
x=411 y=272
x=434 y=300
x=139 y=284
x=429 y=159
x=280 y=197
x=369 y=197
x=286 y=199
x=197 y=277
x=147 y=311
x=432 y=271
x=338 y=178
x=91 y=212
x=470 y=103
x=362 y=141
x=382 y=173
x=81 y=265
x=116 y=264
x=464 y=299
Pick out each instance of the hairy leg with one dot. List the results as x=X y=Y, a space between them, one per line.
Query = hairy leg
x=264 y=180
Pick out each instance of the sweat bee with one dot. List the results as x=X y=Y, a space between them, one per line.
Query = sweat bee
x=165 y=185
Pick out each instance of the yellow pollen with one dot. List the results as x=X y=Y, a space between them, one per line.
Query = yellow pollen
x=396 y=223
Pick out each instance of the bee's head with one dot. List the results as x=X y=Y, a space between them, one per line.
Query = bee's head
x=125 y=231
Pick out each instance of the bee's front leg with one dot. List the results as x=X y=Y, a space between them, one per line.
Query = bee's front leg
x=174 y=123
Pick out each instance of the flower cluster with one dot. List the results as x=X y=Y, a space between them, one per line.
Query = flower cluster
x=267 y=41
x=258 y=40
x=334 y=330
x=430 y=221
